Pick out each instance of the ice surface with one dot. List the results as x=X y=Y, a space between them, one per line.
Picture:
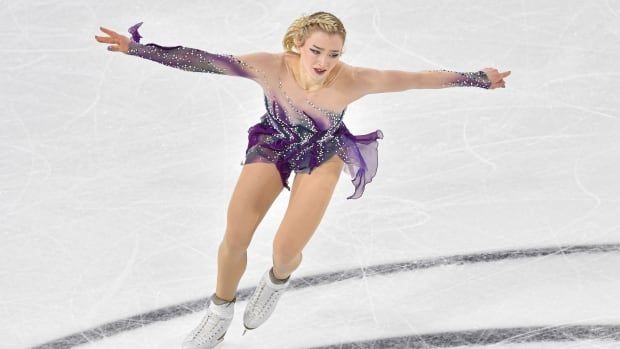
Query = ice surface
x=493 y=216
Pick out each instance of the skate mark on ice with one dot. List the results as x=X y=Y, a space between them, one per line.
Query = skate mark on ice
x=192 y=306
x=488 y=336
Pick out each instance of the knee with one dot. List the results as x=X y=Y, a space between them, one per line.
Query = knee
x=234 y=244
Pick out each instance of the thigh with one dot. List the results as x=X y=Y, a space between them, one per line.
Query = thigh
x=257 y=188
x=310 y=196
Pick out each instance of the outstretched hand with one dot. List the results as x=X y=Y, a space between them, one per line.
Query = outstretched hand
x=496 y=78
x=120 y=43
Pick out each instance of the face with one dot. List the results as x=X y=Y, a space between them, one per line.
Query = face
x=320 y=54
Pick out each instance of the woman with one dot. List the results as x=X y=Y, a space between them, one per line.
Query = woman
x=306 y=91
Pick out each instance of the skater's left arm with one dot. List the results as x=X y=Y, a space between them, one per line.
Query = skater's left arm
x=369 y=80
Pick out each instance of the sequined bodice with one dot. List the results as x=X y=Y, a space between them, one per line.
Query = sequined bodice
x=298 y=123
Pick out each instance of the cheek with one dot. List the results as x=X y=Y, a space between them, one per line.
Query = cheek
x=309 y=62
x=306 y=59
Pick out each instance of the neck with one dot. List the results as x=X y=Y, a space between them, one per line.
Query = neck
x=305 y=80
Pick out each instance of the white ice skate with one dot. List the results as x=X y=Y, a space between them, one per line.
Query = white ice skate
x=211 y=330
x=263 y=302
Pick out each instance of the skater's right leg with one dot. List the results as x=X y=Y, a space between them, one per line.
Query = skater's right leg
x=258 y=186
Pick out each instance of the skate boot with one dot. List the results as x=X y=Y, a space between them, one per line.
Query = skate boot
x=211 y=330
x=263 y=301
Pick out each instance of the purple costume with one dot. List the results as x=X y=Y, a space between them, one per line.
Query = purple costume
x=289 y=136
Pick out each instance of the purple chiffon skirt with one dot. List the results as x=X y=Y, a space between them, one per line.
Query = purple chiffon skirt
x=358 y=152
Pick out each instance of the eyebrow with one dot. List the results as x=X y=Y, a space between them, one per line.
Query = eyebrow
x=320 y=48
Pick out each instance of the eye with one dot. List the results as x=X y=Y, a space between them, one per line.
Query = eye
x=315 y=51
x=335 y=55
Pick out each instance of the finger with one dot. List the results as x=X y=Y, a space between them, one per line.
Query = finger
x=105 y=39
x=108 y=31
x=112 y=48
x=505 y=74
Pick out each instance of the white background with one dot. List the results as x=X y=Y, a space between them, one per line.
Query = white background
x=116 y=172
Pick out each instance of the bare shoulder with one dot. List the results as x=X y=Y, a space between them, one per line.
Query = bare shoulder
x=359 y=75
x=352 y=79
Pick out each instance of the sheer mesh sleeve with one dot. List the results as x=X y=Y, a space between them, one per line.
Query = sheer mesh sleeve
x=189 y=59
x=475 y=79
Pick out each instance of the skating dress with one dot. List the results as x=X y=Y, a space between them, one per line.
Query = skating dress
x=296 y=133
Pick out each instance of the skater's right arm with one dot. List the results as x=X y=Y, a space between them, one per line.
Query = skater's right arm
x=186 y=58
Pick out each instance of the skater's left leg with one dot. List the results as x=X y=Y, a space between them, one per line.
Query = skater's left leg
x=310 y=196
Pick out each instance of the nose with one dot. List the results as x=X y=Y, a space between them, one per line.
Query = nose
x=321 y=61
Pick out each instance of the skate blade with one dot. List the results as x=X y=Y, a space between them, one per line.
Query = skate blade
x=246 y=329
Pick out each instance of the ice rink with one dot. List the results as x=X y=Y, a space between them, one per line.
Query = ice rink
x=493 y=220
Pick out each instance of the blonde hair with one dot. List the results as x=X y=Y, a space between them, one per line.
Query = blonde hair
x=302 y=27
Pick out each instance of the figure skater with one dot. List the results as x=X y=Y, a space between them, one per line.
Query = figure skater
x=307 y=89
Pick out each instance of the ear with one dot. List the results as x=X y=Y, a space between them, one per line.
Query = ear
x=298 y=44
